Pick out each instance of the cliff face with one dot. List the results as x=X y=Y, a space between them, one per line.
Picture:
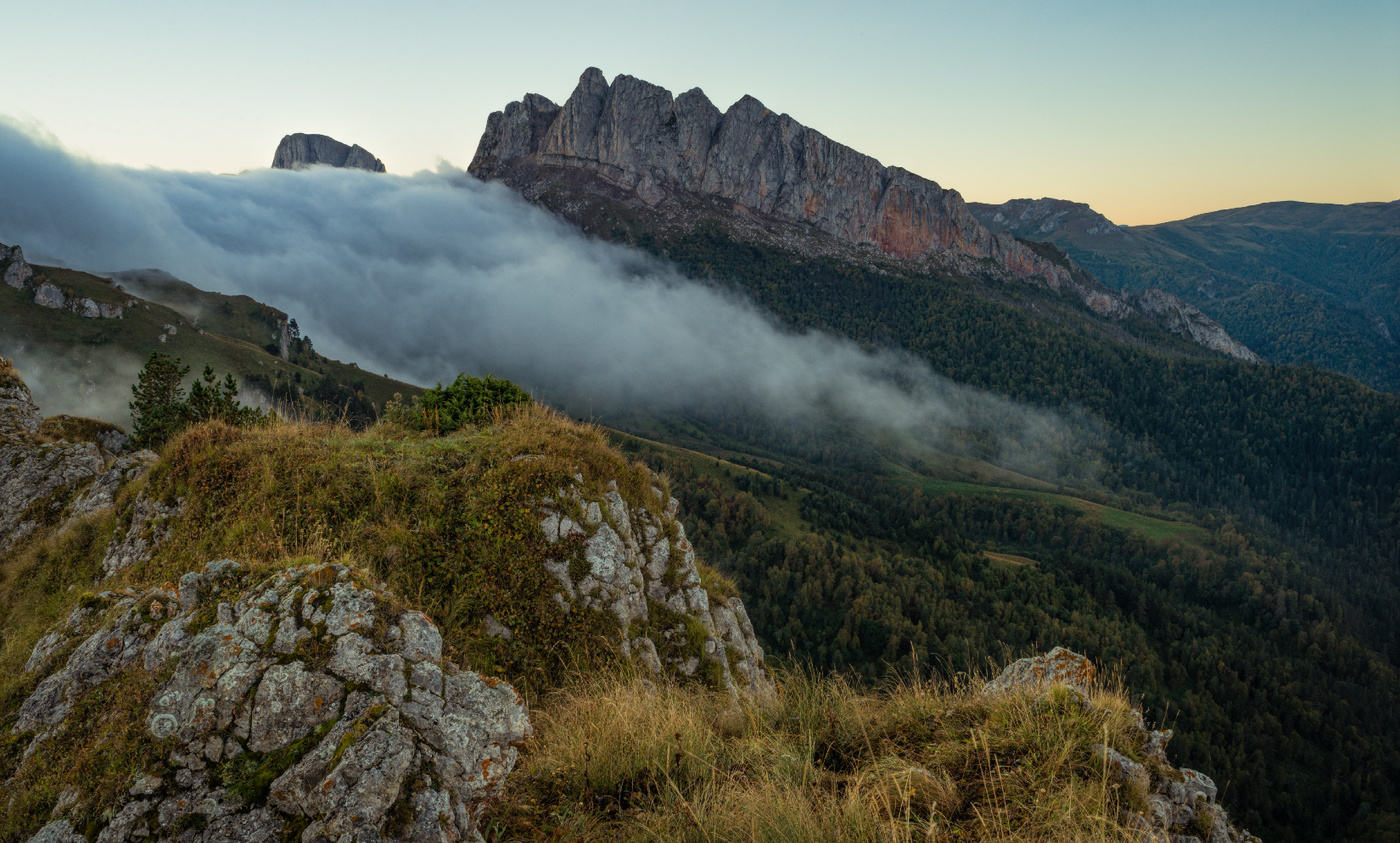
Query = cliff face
x=1181 y=317
x=299 y=151
x=635 y=136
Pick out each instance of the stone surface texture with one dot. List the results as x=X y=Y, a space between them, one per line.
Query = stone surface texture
x=1181 y=317
x=1057 y=667
x=311 y=673
x=639 y=566
x=655 y=148
x=1180 y=803
x=299 y=151
x=17 y=272
x=33 y=470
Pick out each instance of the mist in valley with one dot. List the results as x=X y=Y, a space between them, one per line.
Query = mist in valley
x=424 y=276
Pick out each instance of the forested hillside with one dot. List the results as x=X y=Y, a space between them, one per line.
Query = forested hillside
x=1297 y=282
x=1255 y=619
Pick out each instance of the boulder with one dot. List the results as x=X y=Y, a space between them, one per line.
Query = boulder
x=1057 y=667
x=360 y=753
x=17 y=272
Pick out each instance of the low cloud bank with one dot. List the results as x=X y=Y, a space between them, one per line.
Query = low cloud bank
x=428 y=275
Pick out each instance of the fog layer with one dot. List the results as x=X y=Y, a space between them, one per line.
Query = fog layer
x=425 y=276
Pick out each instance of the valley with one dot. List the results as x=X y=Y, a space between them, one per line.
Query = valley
x=1117 y=447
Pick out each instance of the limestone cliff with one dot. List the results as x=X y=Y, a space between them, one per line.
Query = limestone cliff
x=637 y=137
x=299 y=151
x=1181 y=317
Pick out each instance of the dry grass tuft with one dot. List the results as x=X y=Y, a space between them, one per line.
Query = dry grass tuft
x=616 y=758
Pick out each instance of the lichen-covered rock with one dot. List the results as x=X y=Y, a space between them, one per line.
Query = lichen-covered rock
x=639 y=566
x=33 y=470
x=311 y=674
x=1178 y=803
x=17 y=272
x=1057 y=667
x=150 y=525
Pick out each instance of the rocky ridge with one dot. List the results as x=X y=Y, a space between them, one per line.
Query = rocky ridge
x=1174 y=805
x=658 y=150
x=1037 y=218
x=33 y=470
x=299 y=151
x=309 y=702
x=1181 y=317
x=18 y=274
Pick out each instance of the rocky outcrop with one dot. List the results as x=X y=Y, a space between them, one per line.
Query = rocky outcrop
x=311 y=677
x=1038 y=219
x=640 y=568
x=17 y=272
x=655 y=147
x=1181 y=317
x=299 y=151
x=1057 y=667
x=34 y=471
x=1164 y=804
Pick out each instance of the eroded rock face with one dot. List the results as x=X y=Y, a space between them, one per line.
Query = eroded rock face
x=32 y=470
x=1181 y=317
x=17 y=272
x=311 y=674
x=299 y=151
x=636 y=136
x=640 y=567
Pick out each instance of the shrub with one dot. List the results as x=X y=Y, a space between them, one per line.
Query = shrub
x=466 y=401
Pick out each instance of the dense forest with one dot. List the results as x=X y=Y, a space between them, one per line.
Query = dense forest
x=1264 y=639
x=1230 y=640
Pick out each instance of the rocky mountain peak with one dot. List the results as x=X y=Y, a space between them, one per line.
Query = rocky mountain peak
x=635 y=136
x=299 y=151
x=1037 y=218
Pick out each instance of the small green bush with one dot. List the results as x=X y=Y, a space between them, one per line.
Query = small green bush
x=466 y=401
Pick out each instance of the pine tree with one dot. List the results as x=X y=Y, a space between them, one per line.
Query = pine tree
x=159 y=410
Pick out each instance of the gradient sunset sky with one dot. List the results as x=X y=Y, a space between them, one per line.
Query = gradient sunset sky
x=1148 y=111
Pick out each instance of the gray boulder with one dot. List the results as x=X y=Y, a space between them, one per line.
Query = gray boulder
x=1057 y=667
x=17 y=271
x=299 y=151
x=375 y=739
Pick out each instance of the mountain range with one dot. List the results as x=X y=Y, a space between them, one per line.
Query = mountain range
x=1217 y=526
x=1297 y=282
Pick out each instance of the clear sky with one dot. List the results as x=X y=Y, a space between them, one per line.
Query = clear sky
x=1149 y=111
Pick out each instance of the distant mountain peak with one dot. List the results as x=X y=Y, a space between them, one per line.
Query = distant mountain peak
x=1036 y=218
x=636 y=138
x=299 y=151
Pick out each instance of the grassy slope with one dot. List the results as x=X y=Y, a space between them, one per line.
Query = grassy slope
x=235 y=329
x=446 y=522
